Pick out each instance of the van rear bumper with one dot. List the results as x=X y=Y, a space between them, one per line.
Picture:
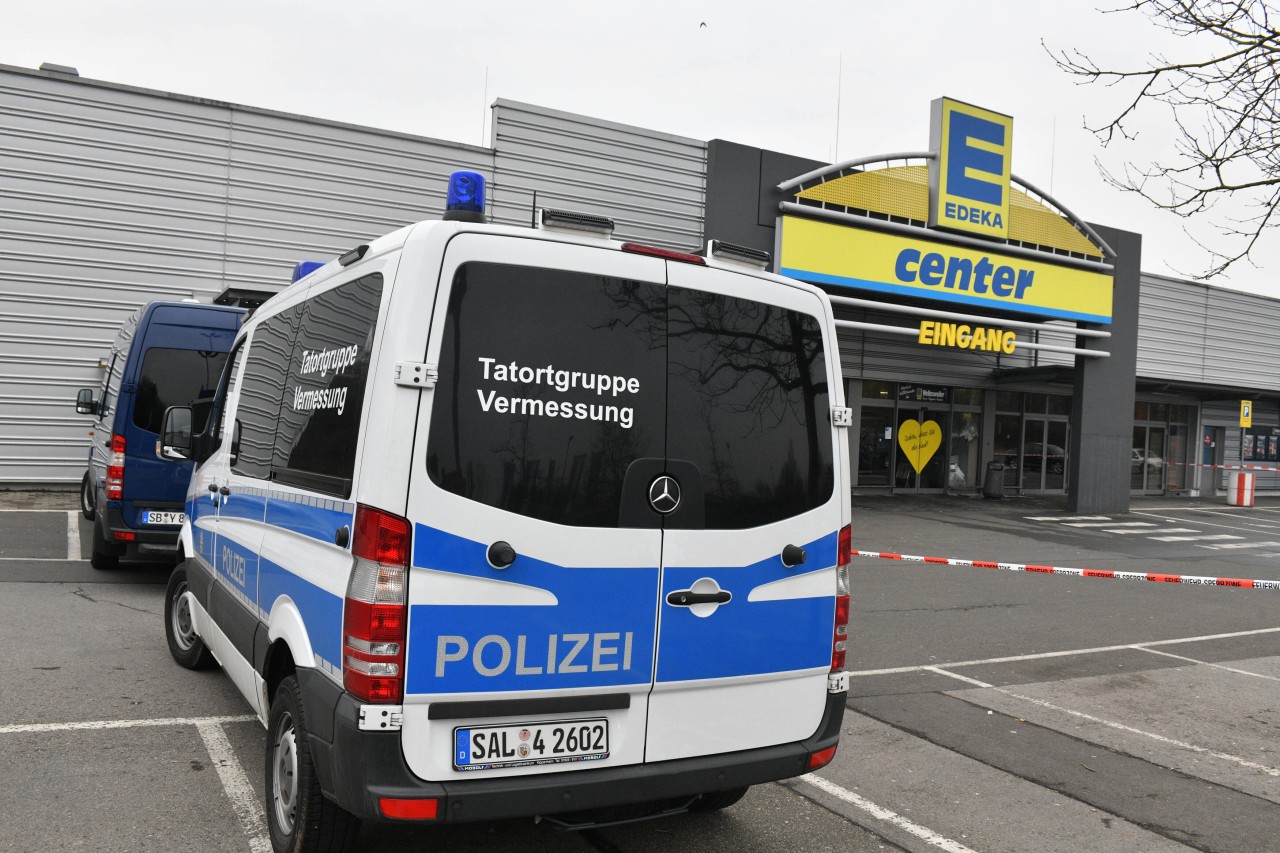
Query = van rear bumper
x=154 y=538
x=358 y=767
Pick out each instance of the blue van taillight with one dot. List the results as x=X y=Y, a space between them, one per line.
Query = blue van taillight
x=115 y=469
x=840 y=636
x=375 y=615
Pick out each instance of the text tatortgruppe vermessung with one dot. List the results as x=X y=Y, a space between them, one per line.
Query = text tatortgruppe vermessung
x=605 y=385
x=323 y=362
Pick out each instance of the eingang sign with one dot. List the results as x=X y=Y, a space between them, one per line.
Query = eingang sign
x=827 y=253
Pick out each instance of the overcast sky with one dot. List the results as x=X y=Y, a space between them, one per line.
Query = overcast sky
x=770 y=73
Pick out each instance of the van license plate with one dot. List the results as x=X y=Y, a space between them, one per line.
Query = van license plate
x=490 y=747
x=154 y=517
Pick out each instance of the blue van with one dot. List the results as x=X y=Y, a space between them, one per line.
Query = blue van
x=165 y=354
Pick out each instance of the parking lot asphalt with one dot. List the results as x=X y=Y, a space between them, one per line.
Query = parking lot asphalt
x=988 y=710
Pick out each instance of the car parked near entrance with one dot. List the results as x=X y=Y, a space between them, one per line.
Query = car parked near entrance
x=1036 y=454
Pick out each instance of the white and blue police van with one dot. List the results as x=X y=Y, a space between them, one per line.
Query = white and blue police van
x=493 y=521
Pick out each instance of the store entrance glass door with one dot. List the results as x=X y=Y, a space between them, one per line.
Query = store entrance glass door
x=921 y=451
x=1147 y=470
x=1044 y=455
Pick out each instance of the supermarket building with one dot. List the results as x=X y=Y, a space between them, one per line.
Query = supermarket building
x=991 y=340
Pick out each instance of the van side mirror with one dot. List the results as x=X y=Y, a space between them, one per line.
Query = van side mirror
x=175 y=435
x=85 y=404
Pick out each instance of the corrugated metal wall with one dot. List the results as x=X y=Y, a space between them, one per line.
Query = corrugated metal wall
x=653 y=185
x=113 y=197
x=1192 y=332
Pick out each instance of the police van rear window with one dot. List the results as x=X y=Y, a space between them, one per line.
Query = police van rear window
x=552 y=383
x=174 y=377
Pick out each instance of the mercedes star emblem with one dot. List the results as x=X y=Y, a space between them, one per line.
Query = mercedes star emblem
x=664 y=494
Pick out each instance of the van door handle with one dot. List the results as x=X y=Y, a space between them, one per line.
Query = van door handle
x=213 y=487
x=793 y=555
x=224 y=491
x=688 y=598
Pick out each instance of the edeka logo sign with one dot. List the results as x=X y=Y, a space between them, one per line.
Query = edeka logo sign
x=969 y=178
x=862 y=259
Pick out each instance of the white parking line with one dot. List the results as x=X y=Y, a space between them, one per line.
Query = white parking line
x=73 y=535
x=1227 y=545
x=899 y=670
x=1207 y=538
x=1204 y=522
x=1206 y=663
x=1109 y=524
x=1234 y=759
x=881 y=813
x=1066 y=517
x=1144 y=531
x=103 y=725
x=234 y=781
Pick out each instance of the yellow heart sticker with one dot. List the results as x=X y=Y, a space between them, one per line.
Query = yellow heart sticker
x=919 y=441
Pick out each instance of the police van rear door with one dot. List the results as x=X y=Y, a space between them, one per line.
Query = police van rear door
x=745 y=635
x=533 y=590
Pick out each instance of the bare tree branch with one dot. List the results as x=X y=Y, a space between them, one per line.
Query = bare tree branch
x=1224 y=101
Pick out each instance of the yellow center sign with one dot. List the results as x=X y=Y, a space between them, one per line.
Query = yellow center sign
x=919 y=441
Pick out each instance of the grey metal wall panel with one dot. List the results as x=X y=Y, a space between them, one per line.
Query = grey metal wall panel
x=1172 y=329
x=652 y=184
x=114 y=197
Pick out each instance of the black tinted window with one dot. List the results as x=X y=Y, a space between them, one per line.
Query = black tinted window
x=748 y=405
x=315 y=445
x=261 y=393
x=520 y=420
x=174 y=377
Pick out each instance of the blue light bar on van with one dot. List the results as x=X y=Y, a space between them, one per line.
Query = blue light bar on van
x=305 y=268
x=465 y=202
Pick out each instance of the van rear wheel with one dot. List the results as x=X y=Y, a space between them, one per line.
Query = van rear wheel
x=86 y=497
x=103 y=556
x=716 y=800
x=299 y=817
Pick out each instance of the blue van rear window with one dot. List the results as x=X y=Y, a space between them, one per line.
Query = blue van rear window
x=174 y=377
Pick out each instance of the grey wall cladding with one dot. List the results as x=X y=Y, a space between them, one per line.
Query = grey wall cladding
x=653 y=185
x=112 y=197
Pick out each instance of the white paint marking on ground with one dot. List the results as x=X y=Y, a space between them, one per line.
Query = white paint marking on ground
x=234 y=781
x=1228 y=545
x=1203 y=522
x=1066 y=517
x=103 y=725
x=39 y=560
x=1167 y=741
x=73 y=535
x=1147 y=532
x=32 y=510
x=1110 y=524
x=1206 y=663
x=898 y=670
x=881 y=813
x=1208 y=538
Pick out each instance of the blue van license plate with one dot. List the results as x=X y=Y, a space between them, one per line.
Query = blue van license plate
x=521 y=745
x=155 y=517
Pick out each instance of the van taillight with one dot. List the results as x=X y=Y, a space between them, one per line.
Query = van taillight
x=115 y=469
x=376 y=612
x=840 y=637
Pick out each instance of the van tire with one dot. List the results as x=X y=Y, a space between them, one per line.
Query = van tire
x=179 y=630
x=102 y=557
x=87 y=508
x=717 y=800
x=299 y=817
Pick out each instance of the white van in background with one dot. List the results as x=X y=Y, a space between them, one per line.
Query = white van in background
x=491 y=522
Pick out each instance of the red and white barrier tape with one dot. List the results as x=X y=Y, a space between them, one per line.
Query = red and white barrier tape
x=1084 y=573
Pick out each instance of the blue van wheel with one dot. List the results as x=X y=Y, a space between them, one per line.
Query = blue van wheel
x=87 y=508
